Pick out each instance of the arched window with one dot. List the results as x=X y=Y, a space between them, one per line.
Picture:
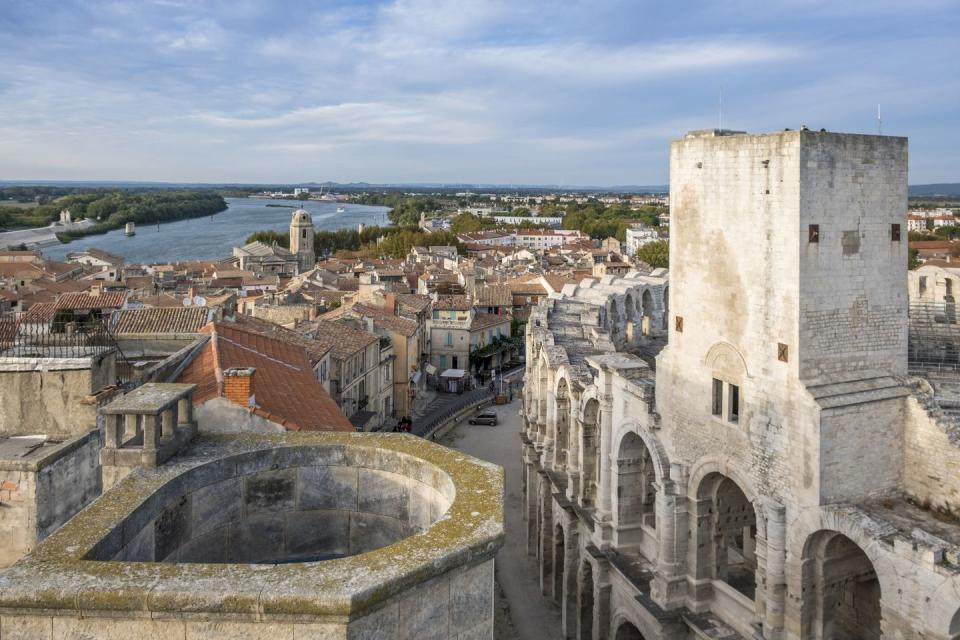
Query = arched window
x=842 y=590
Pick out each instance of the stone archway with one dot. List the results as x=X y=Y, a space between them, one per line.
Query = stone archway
x=636 y=488
x=666 y=307
x=626 y=631
x=955 y=626
x=726 y=534
x=647 y=304
x=559 y=549
x=843 y=591
x=562 y=421
x=586 y=601
x=590 y=452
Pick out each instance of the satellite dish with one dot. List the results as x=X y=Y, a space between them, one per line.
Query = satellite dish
x=187 y=302
x=200 y=301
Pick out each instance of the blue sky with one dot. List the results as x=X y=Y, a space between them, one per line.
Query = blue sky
x=470 y=91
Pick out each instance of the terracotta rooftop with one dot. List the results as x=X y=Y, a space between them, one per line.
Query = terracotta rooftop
x=284 y=386
x=493 y=295
x=485 y=320
x=388 y=321
x=315 y=349
x=40 y=313
x=344 y=340
x=452 y=303
x=104 y=300
x=413 y=302
x=160 y=320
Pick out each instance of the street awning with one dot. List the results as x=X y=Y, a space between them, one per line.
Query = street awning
x=453 y=373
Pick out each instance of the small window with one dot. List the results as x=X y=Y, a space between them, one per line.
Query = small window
x=923 y=284
x=782 y=352
x=678 y=324
x=813 y=233
x=949 y=284
x=733 y=403
x=717 y=406
x=894 y=233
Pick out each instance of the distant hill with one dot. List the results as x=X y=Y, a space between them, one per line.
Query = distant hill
x=949 y=189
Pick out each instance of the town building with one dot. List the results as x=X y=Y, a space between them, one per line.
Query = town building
x=772 y=472
x=301 y=240
x=638 y=235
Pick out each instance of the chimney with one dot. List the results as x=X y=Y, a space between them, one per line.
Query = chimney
x=390 y=303
x=96 y=289
x=238 y=386
x=312 y=313
x=192 y=292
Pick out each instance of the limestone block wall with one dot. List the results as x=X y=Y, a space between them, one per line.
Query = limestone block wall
x=306 y=513
x=49 y=394
x=39 y=494
x=454 y=606
x=853 y=282
x=931 y=459
x=861 y=450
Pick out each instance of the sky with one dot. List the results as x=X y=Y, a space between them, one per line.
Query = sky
x=468 y=91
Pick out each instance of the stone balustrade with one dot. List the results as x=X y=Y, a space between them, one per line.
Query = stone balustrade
x=146 y=427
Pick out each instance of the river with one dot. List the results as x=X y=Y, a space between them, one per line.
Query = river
x=215 y=236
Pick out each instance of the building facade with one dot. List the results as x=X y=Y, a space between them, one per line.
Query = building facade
x=772 y=472
x=301 y=240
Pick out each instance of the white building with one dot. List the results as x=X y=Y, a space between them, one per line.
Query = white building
x=639 y=235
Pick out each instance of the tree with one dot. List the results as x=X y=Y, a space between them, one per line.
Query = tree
x=913 y=259
x=656 y=254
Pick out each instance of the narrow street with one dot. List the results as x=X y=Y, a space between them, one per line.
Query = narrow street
x=523 y=613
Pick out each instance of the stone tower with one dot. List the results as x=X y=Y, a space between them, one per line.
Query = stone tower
x=301 y=239
x=788 y=266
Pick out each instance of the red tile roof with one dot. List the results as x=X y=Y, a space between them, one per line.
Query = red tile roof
x=105 y=300
x=284 y=386
x=160 y=320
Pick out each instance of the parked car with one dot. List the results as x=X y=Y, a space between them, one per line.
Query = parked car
x=489 y=418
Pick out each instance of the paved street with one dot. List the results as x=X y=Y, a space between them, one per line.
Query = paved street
x=531 y=616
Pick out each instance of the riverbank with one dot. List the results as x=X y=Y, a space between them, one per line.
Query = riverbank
x=40 y=236
x=214 y=236
x=146 y=209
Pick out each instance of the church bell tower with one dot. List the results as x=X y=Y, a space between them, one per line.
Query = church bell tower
x=301 y=240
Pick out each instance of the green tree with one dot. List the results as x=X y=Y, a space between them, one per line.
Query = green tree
x=913 y=259
x=656 y=254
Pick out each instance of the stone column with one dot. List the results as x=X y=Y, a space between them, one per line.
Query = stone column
x=185 y=409
x=151 y=431
x=604 y=497
x=669 y=586
x=776 y=556
x=131 y=426
x=575 y=459
x=168 y=421
x=114 y=431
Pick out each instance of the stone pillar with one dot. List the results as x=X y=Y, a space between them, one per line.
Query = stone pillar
x=151 y=431
x=168 y=422
x=575 y=458
x=185 y=409
x=604 y=497
x=568 y=600
x=114 y=431
x=669 y=584
x=776 y=556
x=546 y=537
x=131 y=426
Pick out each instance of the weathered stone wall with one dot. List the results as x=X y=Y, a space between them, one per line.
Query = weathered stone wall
x=67 y=485
x=931 y=459
x=853 y=282
x=457 y=605
x=42 y=491
x=48 y=396
x=303 y=513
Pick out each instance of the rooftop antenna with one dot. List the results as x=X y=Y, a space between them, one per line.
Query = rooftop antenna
x=879 y=121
